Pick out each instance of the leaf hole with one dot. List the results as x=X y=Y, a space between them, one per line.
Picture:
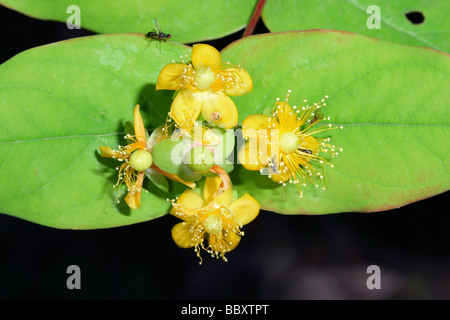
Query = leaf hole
x=415 y=17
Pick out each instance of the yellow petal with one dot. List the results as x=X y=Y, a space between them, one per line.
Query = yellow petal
x=249 y=158
x=190 y=200
x=281 y=176
x=139 y=129
x=232 y=240
x=219 y=109
x=185 y=109
x=133 y=200
x=170 y=77
x=107 y=152
x=177 y=178
x=204 y=55
x=181 y=235
x=211 y=186
x=241 y=83
x=174 y=177
x=246 y=208
x=255 y=122
x=287 y=117
x=310 y=143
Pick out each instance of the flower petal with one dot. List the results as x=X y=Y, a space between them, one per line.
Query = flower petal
x=219 y=109
x=282 y=175
x=133 y=199
x=139 y=129
x=232 y=239
x=255 y=122
x=174 y=177
x=191 y=199
x=185 y=109
x=204 y=55
x=310 y=143
x=170 y=77
x=287 y=117
x=210 y=188
x=239 y=82
x=107 y=152
x=249 y=158
x=246 y=208
x=182 y=235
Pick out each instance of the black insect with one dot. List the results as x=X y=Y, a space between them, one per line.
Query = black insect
x=305 y=151
x=156 y=33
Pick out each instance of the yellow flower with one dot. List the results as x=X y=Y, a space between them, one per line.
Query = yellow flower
x=285 y=143
x=136 y=158
x=132 y=177
x=204 y=86
x=212 y=218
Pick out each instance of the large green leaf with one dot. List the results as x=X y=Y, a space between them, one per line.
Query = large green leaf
x=58 y=104
x=186 y=21
x=392 y=100
x=351 y=15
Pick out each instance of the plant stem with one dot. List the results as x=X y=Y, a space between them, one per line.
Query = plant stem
x=254 y=19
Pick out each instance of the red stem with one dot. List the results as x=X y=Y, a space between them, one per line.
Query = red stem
x=254 y=19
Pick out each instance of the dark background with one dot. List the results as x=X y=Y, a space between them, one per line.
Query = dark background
x=280 y=257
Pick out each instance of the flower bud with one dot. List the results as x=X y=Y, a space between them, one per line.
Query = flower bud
x=201 y=159
x=141 y=160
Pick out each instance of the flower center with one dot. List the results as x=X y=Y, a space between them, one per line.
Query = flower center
x=289 y=142
x=213 y=224
x=141 y=160
x=204 y=78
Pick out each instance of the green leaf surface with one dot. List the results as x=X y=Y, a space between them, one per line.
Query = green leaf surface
x=62 y=101
x=352 y=15
x=58 y=104
x=392 y=100
x=186 y=21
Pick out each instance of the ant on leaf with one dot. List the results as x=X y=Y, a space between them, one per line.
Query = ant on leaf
x=157 y=34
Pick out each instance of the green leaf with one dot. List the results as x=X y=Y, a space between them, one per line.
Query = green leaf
x=59 y=103
x=391 y=99
x=62 y=101
x=186 y=21
x=351 y=15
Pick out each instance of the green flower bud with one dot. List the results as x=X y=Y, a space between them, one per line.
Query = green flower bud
x=141 y=160
x=201 y=159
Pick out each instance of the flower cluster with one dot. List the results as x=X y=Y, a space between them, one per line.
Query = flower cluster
x=194 y=145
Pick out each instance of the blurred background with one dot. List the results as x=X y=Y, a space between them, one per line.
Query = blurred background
x=280 y=257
